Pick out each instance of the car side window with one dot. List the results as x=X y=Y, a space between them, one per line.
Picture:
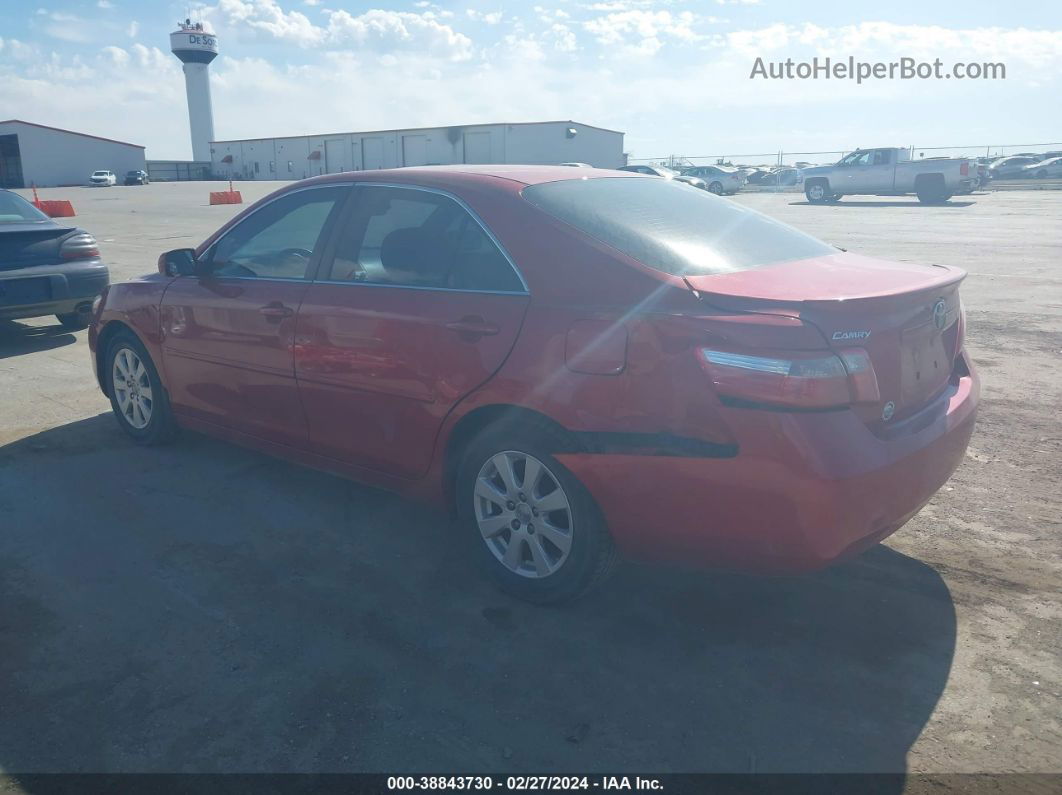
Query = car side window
x=416 y=238
x=277 y=241
x=881 y=157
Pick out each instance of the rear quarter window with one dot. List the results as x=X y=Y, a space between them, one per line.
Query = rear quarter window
x=673 y=227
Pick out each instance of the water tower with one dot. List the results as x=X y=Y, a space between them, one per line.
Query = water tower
x=196 y=49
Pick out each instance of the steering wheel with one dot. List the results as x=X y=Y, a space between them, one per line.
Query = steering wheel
x=294 y=252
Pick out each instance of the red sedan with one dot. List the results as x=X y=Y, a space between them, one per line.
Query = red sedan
x=575 y=362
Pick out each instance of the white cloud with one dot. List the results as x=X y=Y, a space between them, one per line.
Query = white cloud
x=133 y=29
x=491 y=18
x=104 y=3
x=376 y=29
x=643 y=31
x=118 y=56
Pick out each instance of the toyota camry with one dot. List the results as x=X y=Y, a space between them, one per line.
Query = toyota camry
x=578 y=364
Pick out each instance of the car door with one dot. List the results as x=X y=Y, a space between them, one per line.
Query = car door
x=415 y=305
x=857 y=173
x=227 y=333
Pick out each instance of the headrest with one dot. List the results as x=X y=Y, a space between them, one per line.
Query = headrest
x=411 y=249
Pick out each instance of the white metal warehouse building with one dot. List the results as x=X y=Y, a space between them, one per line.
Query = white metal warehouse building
x=33 y=154
x=547 y=142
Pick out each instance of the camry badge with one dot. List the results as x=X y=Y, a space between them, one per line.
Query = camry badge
x=850 y=335
x=940 y=314
x=888 y=410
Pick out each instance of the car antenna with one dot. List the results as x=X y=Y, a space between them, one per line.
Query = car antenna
x=693 y=289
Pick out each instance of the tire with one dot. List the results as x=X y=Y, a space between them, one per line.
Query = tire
x=576 y=554
x=716 y=188
x=74 y=321
x=817 y=192
x=932 y=197
x=145 y=414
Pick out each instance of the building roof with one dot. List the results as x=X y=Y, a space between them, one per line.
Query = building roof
x=416 y=129
x=69 y=132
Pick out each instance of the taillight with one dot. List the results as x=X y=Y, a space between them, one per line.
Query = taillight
x=79 y=246
x=964 y=168
x=810 y=381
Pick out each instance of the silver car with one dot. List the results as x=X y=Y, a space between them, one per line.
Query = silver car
x=1052 y=167
x=720 y=179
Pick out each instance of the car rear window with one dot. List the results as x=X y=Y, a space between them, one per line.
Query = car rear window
x=673 y=227
x=16 y=210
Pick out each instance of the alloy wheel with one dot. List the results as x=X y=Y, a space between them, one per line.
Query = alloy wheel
x=132 y=388
x=523 y=513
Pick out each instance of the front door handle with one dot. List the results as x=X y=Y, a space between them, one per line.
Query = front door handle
x=473 y=326
x=276 y=310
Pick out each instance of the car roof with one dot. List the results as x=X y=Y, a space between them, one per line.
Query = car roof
x=475 y=174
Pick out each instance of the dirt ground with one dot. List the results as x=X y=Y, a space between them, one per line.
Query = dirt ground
x=203 y=608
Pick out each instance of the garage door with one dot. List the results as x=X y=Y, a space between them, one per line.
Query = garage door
x=372 y=153
x=477 y=147
x=414 y=150
x=336 y=157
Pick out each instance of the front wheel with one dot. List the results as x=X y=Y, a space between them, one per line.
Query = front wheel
x=817 y=193
x=539 y=532
x=138 y=397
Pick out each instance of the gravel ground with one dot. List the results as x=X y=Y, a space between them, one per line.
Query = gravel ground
x=204 y=608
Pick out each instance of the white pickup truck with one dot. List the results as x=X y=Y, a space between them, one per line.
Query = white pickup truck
x=889 y=172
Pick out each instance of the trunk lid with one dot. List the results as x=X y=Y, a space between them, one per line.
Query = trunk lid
x=24 y=245
x=906 y=317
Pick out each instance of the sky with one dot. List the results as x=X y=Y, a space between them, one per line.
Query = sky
x=674 y=75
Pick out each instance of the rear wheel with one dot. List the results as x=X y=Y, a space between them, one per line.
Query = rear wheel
x=74 y=321
x=716 y=188
x=539 y=532
x=138 y=398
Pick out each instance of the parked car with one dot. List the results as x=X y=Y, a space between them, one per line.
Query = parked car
x=720 y=179
x=136 y=178
x=1044 y=169
x=666 y=173
x=757 y=175
x=1011 y=167
x=577 y=363
x=888 y=172
x=783 y=177
x=46 y=268
x=101 y=179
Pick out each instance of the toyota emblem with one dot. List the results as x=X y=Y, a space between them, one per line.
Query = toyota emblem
x=888 y=410
x=940 y=314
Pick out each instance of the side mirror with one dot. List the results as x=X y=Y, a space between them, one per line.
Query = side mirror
x=179 y=262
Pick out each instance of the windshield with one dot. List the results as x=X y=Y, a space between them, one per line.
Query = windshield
x=671 y=228
x=16 y=210
x=100 y=173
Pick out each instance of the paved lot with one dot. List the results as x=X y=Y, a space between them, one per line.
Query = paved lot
x=203 y=608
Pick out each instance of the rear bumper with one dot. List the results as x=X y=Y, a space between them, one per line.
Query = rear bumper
x=59 y=289
x=804 y=490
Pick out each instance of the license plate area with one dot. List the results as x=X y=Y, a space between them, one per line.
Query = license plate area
x=20 y=292
x=924 y=364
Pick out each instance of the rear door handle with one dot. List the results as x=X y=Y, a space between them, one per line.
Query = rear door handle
x=276 y=310
x=473 y=325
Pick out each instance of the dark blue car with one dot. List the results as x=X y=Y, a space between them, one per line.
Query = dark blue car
x=46 y=268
